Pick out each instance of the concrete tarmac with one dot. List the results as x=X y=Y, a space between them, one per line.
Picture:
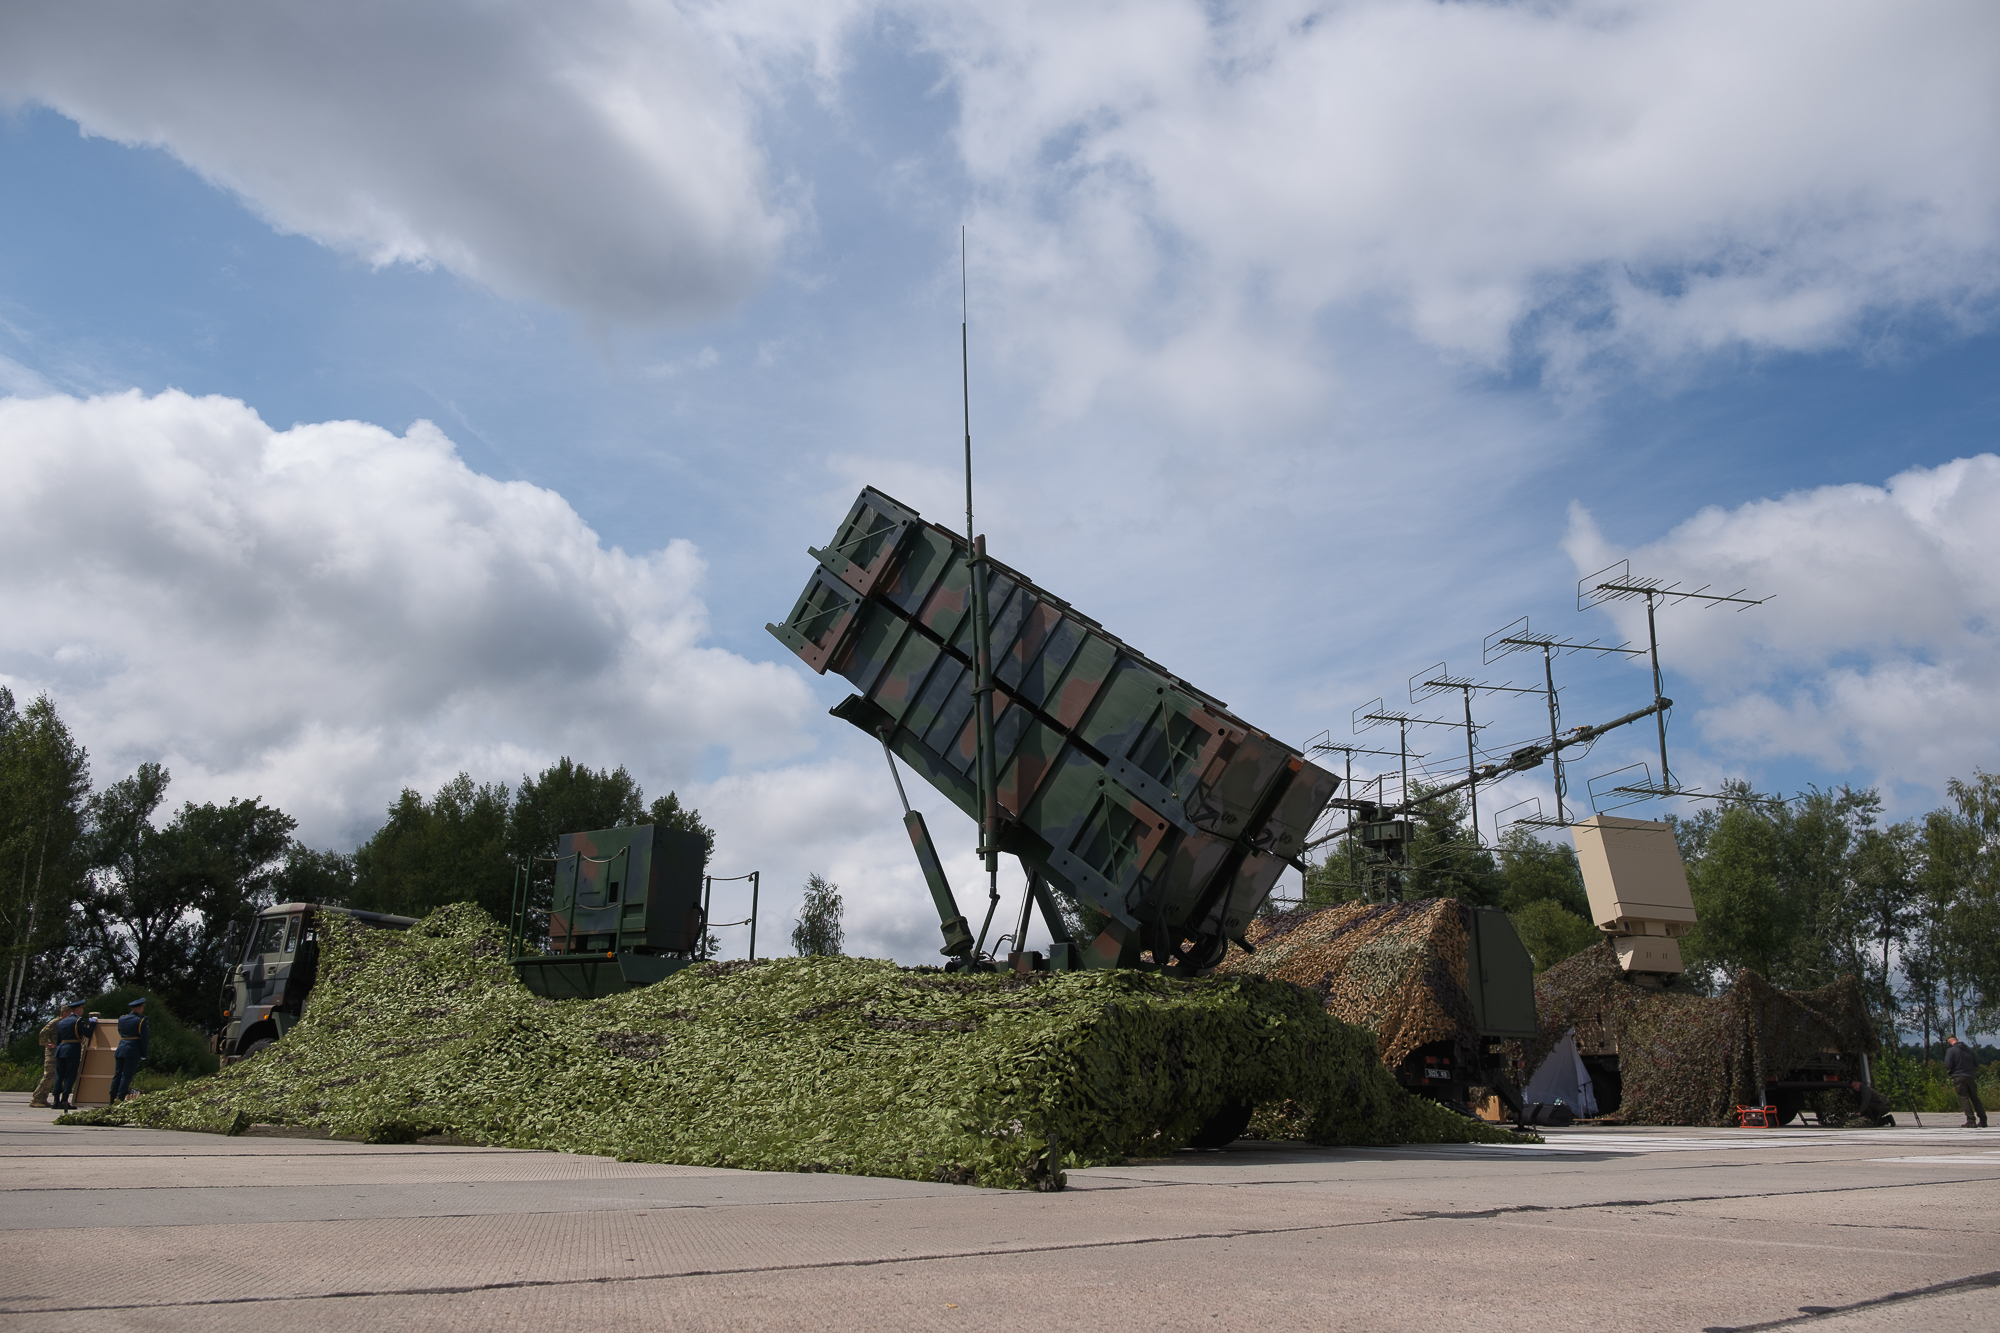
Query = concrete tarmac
x=1618 y=1229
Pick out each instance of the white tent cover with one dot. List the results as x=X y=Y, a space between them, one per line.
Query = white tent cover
x=1562 y=1078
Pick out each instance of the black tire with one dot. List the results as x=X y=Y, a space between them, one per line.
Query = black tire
x=261 y=1044
x=1224 y=1127
x=1790 y=1102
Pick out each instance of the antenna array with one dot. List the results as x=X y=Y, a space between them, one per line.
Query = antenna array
x=1616 y=789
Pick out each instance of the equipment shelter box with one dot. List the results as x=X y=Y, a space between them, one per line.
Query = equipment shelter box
x=637 y=887
x=1125 y=786
x=97 y=1063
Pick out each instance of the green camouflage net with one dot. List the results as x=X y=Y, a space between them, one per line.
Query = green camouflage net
x=1686 y=1058
x=1396 y=969
x=803 y=1064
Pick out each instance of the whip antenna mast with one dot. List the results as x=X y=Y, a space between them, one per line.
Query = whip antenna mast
x=965 y=380
x=982 y=638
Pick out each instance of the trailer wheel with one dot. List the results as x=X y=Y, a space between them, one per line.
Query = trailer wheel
x=260 y=1044
x=1224 y=1127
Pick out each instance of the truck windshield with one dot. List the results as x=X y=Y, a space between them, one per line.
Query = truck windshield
x=270 y=937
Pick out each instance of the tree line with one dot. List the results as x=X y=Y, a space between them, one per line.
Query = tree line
x=1802 y=891
x=103 y=889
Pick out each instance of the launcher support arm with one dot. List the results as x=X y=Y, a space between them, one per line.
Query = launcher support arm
x=957 y=932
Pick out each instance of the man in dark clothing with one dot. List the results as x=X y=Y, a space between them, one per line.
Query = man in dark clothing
x=72 y=1031
x=1870 y=1106
x=132 y=1039
x=1961 y=1066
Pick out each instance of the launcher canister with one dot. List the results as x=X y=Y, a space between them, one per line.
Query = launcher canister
x=1125 y=786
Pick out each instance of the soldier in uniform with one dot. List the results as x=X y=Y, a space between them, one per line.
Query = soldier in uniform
x=48 y=1040
x=72 y=1031
x=132 y=1039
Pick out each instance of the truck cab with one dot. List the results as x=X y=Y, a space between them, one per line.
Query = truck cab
x=265 y=992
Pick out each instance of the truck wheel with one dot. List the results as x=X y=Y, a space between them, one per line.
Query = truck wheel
x=1224 y=1127
x=260 y=1044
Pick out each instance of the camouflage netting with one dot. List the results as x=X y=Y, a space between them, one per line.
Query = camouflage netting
x=805 y=1064
x=1686 y=1058
x=1396 y=969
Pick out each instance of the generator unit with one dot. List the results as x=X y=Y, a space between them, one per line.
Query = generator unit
x=625 y=910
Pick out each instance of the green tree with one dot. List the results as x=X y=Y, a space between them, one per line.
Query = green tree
x=164 y=900
x=1948 y=956
x=1978 y=904
x=1819 y=836
x=1882 y=906
x=1552 y=932
x=455 y=847
x=309 y=876
x=1445 y=859
x=818 y=932
x=1533 y=871
x=1746 y=920
x=570 y=797
x=44 y=815
x=668 y=812
x=1443 y=862
x=1541 y=888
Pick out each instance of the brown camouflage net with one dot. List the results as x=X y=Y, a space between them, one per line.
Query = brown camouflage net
x=1686 y=1058
x=1396 y=969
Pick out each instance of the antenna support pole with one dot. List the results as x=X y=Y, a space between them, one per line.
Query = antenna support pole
x=1659 y=695
x=1555 y=743
x=982 y=635
x=1471 y=767
x=965 y=378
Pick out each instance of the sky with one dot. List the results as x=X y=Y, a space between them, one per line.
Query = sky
x=392 y=391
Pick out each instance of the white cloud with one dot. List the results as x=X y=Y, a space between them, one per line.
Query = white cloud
x=1881 y=646
x=599 y=155
x=1181 y=193
x=1171 y=199
x=322 y=614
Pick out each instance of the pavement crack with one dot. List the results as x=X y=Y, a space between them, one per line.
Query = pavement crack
x=746 y=1271
x=1505 y=1209
x=1810 y=1313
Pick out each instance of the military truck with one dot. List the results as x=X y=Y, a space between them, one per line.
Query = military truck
x=266 y=991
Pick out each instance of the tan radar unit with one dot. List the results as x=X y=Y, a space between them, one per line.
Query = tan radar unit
x=1638 y=891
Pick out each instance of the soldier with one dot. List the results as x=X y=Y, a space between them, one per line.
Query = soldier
x=48 y=1040
x=132 y=1039
x=72 y=1031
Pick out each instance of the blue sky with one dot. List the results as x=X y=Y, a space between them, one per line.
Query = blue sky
x=1310 y=345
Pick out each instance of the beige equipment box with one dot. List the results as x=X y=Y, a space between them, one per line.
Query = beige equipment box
x=99 y=1063
x=1638 y=889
